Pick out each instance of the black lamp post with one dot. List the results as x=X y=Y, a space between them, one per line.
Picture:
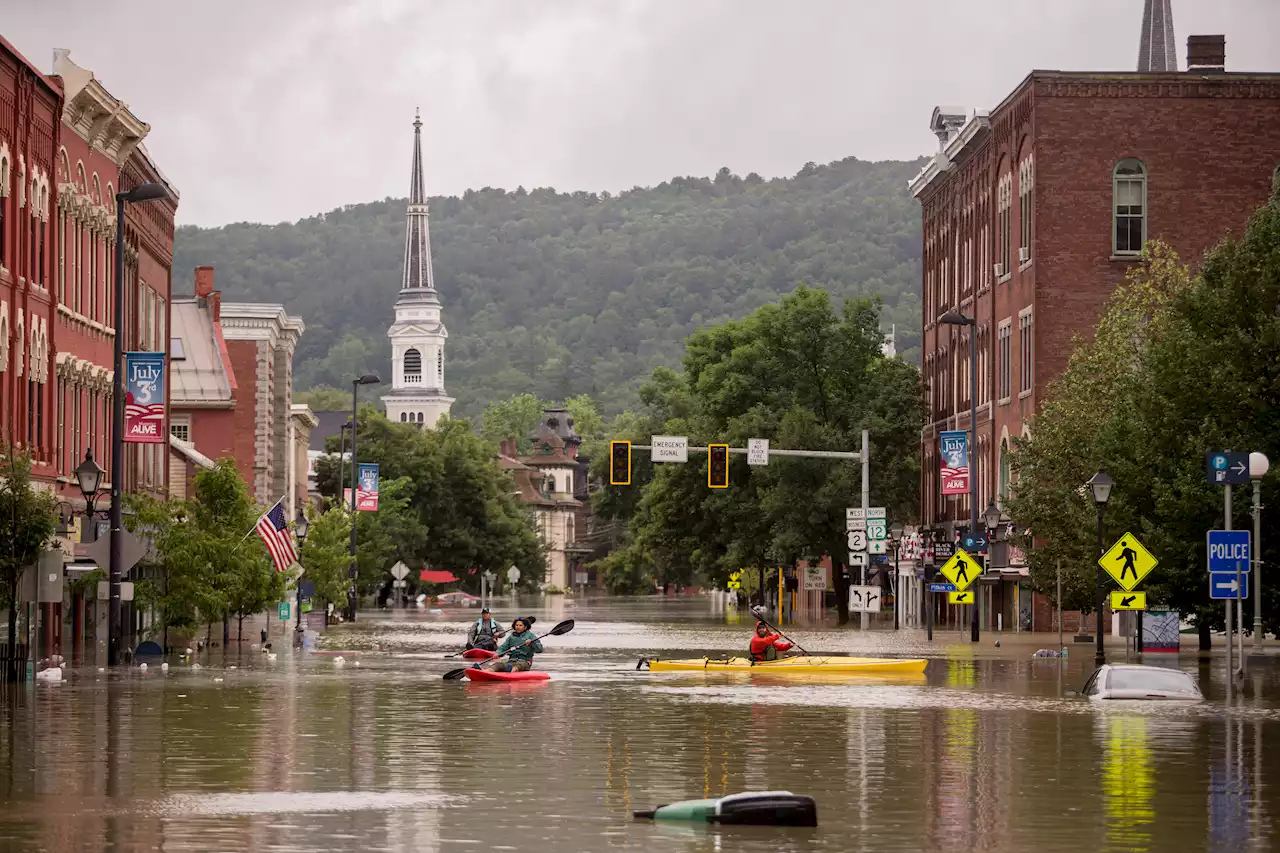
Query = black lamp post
x=955 y=318
x=89 y=478
x=352 y=571
x=142 y=192
x=300 y=528
x=895 y=534
x=1100 y=484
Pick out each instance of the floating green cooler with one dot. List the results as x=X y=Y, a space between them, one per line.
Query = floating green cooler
x=751 y=808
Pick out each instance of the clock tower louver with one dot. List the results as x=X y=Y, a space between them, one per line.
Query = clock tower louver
x=418 y=334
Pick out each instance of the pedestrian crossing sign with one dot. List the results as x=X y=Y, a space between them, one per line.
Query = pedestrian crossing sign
x=960 y=597
x=1128 y=561
x=961 y=570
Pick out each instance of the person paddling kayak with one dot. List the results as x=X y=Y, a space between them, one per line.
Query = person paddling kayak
x=765 y=645
x=485 y=633
x=523 y=645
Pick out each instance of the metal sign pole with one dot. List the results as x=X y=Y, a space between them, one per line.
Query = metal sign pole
x=866 y=504
x=1231 y=680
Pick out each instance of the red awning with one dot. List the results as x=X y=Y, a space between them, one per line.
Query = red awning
x=436 y=576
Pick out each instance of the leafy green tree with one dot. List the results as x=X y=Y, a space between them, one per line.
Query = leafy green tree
x=325 y=554
x=514 y=418
x=395 y=533
x=171 y=581
x=27 y=524
x=1133 y=403
x=324 y=398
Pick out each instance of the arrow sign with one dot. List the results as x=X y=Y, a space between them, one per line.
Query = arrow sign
x=1128 y=601
x=1223 y=585
x=960 y=597
x=1225 y=467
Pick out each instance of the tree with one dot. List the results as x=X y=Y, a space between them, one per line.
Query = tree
x=324 y=398
x=171 y=583
x=395 y=533
x=325 y=554
x=27 y=522
x=514 y=418
x=1133 y=402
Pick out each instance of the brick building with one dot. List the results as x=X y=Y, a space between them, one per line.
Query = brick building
x=30 y=105
x=1034 y=212
x=100 y=153
x=231 y=366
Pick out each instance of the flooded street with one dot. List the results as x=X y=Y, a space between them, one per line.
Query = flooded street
x=379 y=753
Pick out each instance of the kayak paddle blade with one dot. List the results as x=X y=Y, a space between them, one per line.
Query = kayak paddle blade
x=563 y=628
x=455 y=674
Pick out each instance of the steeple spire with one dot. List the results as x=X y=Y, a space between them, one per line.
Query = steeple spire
x=418 y=274
x=1156 y=48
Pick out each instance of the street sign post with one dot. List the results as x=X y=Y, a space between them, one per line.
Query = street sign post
x=976 y=542
x=942 y=587
x=1128 y=601
x=399 y=571
x=669 y=448
x=1227 y=468
x=877 y=531
x=282 y=611
x=864 y=599
x=1227 y=548
x=961 y=597
x=757 y=451
x=1128 y=561
x=857 y=540
x=857 y=559
x=815 y=579
x=1228 y=586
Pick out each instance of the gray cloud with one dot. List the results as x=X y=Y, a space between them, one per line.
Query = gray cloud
x=273 y=111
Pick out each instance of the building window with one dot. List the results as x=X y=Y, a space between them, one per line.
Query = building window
x=1129 y=192
x=1026 y=349
x=440 y=366
x=1004 y=247
x=1004 y=470
x=412 y=366
x=176 y=350
x=1004 y=352
x=180 y=430
x=1026 y=186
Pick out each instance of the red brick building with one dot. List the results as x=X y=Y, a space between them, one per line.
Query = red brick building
x=1035 y=211
x=30 y=106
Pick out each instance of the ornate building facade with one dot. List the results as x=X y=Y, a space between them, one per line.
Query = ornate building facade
x=418 y=334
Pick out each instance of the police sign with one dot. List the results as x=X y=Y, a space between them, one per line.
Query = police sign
x=1228 y=549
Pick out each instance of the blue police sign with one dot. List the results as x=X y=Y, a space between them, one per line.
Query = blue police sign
x=1226 y=468
x=1227 y=548
x=1225 y=585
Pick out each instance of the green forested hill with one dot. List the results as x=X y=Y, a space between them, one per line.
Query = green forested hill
x=560 y=294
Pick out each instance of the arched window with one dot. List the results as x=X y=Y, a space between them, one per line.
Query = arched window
x=403 y=417
x=1004 y=469
x=1129 y=207
x=421 y=418
x=440 y=366
x=412 y=366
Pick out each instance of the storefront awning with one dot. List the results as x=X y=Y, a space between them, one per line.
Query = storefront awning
x=436 y=576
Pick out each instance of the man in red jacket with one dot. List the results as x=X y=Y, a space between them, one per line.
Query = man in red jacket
x=765 y=645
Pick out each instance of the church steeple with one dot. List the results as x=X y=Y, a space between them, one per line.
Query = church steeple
x=417 y=239
x=1156 y=48
x=418 y=335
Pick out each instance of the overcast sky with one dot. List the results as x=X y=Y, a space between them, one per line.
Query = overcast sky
x=267 y=111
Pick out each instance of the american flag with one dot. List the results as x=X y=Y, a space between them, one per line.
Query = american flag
x=275 y=532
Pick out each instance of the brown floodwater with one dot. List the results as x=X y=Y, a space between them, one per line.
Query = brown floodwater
x=986 y=751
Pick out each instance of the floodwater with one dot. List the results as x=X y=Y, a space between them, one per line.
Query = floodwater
x=984 y=752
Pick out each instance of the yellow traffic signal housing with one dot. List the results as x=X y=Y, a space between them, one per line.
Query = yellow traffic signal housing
x=619 y=463
x=718 y=466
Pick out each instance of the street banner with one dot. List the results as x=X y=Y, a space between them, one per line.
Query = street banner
x=955 y=462
x=366 y=488
x=144 y=398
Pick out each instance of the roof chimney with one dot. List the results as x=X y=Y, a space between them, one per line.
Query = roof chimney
x=1207 y=54
x=204 y=282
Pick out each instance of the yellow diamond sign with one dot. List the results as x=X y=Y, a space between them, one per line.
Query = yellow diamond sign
x=1128 y=561
x=961 y=570
x=1128 y=601
x=966 y=597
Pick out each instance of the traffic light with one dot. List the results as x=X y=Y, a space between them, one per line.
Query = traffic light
x=619 y=463
x=718 y=466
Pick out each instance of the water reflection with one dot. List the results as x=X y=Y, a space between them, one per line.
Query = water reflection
x=979 y=753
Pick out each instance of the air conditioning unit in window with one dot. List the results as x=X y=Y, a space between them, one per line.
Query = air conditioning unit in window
x=999 y=270
x=1024 y=254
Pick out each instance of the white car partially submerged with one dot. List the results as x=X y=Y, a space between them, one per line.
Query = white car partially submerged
x=1134 y=681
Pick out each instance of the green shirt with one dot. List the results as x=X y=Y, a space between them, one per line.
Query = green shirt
x=519 y=651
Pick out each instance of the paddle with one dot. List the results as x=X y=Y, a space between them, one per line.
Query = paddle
x=758 y=612
x=563 y=628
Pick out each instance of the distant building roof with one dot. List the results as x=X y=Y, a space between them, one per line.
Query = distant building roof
x=198 y=375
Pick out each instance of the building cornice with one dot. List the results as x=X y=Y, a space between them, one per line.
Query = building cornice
x=100 y=119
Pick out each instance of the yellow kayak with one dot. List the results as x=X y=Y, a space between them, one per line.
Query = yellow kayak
x=799 y=665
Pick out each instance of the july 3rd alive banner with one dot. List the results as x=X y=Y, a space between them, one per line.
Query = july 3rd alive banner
x=144 y=397
x=955 y=462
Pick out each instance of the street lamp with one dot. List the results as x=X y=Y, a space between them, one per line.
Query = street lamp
x=89 y=478
x=955 y=318
x=895 y=533
x=300 y=528
x=1259 y=464
x=1100 y=485
x=366 y=379
x=142 y=192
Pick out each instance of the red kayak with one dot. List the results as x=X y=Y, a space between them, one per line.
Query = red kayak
x=487 y=675
x=478 y=654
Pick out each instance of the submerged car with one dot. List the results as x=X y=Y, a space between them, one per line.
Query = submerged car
x=465 y=599
x=1134 y=681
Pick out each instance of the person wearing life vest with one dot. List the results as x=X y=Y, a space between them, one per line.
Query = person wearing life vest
x=765 y=645
x=485 y=633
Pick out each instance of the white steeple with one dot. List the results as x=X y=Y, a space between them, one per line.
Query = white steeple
x=418 y=335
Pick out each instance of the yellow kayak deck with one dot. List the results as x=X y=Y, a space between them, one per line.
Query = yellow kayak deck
x=798 y=665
